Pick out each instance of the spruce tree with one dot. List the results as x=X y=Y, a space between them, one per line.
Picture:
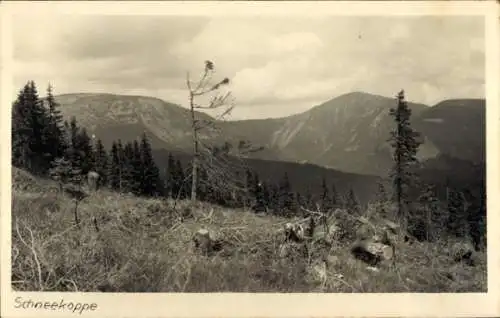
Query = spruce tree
x=114 y=168
x=203 y=184
x=62 y=172
x=152 y=183
x=326 y=199
x=285 y=196
x=352 y=203
x=249 y=189
x=477 y=217
x=381 y=201
x=73 y=152
x=181 y=184
x=405 y=144
x=40 y=122
x=21 y=131
x=457 y=211
x=203 y=88
x=30 y=131
x=336 y=197
x=84 y=151
x=101 y=162
x=172 y=177
x=121 y=165
x=137 y=166
x=128 y=169
x=56 y=140
x=428 y=217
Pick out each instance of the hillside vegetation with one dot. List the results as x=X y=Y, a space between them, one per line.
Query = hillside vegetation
x=145 y=245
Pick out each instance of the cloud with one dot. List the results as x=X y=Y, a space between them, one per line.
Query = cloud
x=277 y=66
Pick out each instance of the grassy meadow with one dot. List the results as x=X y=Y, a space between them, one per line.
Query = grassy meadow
x=145 y=245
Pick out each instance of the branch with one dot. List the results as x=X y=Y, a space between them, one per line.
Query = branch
x=312 y=212
x=224 y=113
x=202 y=79
x=188 y=83
x=213 y=88
x=33 y=251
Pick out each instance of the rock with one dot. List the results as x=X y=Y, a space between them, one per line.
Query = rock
x=372 y=252
x=203 y=241
x=294 y=232
x=463 y=252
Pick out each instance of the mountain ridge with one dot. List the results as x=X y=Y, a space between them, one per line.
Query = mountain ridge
x=347 y=133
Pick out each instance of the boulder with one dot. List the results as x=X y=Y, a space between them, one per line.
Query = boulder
x=208 y=245
x=372 y=252
x=294 y=232
x=463 y=252
x=202 y=241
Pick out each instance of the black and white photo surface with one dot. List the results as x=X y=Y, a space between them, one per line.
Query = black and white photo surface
x=232 y=150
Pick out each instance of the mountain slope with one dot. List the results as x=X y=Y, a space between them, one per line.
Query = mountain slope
x=457 y=127
x=303 y=177
x=348 y=133
x=111 y=117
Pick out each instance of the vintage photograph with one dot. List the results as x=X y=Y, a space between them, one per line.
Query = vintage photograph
x=255 y=154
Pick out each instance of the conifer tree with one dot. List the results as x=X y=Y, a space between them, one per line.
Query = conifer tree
x=181 y=186
x=326 y=199
x=261 y=195
x=29 y=131
x=285 y=196
x=250 y=188
x=477 y=217
x=405 y=144
x=62 y=172
x=256 y=190
x=152 y=183
x=266 y=195
x=457 y=222
x=352 y=203
x=381 y=193
x=172 y=177
x=202 y=88
x=21 y=131
x=73 y=152
x=56 y=140
x=337 y=200
x=308 y=199
x=203 y=184
x=114 y=168
x=121 y=165
x=137 y=166
x=84 y=151
x=101 y=162
x=381 y=199
x=128 y=170
x=428 y=216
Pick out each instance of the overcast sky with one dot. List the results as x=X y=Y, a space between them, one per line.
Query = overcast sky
x=277 y=66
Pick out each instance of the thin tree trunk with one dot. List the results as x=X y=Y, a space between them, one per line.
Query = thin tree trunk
x=429 y=224
x=77 y=222
x=195 y=149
